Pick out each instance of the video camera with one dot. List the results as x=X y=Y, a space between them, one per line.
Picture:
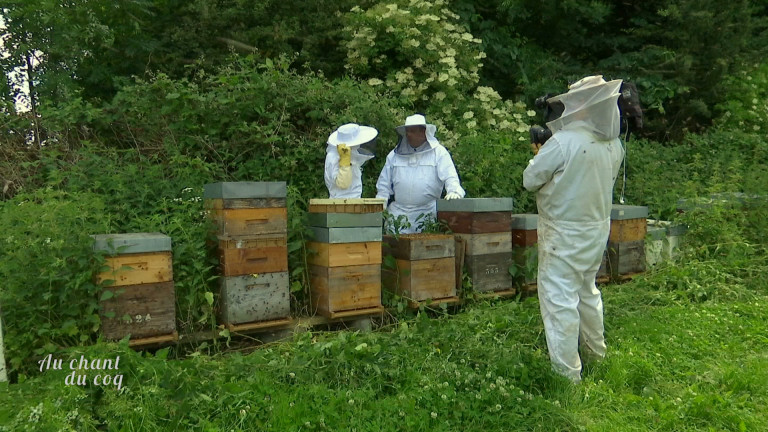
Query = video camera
x=630 y=111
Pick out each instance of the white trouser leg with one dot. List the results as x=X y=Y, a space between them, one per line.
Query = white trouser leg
x=558 y=290
x=591 y=314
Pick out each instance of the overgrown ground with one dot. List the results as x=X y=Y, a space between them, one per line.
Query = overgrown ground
x=677 y=361
x=119 y=153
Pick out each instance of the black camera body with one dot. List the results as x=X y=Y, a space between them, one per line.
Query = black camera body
x=630 y=112
x=552 y=111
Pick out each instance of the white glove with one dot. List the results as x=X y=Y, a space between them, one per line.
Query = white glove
x=344 y=177
x=452 y=195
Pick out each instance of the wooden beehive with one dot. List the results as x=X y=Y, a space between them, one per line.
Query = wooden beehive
x=251 y=221
x=139 y=268
x=524 y=227
x=346 y=205
x=419 y=246
x=654 y=245
x=142 y=311
x=245 y=190
x=137 y=258
x=345 y=220
x=247 y=255
x=626 y=242
x=476 y=215
x=626 y=258
x=476 y=223
x=423 y=279
x=141 y=299
x=249 y=298
x=343 y=254
x=488 y=243
x=628 y=230
x=476 y=205
x=490 y=272
x=346 y=234
x=243 y=203
x=339 y=290
x=628 y=223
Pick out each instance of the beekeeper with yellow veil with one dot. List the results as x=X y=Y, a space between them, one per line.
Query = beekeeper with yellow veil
x=416 y=172
x=573 y=175
x=349 y=148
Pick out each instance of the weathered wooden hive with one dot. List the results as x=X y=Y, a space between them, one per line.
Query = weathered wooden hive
x=626 y=241
x=425 y=267
x=345 y=256
x=139 y=298
x=484 y=225
x=251 y=220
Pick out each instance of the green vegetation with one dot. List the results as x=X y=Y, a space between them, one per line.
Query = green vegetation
x=137 y=104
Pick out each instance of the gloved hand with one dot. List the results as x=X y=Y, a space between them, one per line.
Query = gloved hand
x=345 y=155
x=452 y=195
x=344 y=177
x=535 y=147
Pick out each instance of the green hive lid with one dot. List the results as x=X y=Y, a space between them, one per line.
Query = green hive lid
x=672 y=229
x=347 y=235
x=657 y=232
x=244 y=190
x=623 y=212
x=525 y=221
x=345 y=219
x=476 y=205
x=131 y=243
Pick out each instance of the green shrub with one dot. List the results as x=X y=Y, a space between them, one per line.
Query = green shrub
x=48 y=296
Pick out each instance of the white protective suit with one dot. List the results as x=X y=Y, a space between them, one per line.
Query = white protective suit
x=353 y=136
x=416 y=177
x=573 y=174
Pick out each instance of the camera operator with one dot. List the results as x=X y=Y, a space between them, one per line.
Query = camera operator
x=573 y=175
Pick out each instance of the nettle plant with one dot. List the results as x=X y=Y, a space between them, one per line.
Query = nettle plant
x=419 y=51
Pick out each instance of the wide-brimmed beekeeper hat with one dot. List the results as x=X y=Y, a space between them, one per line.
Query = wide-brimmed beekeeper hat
x=591 y=103
x=352 y=134
x=418 y=120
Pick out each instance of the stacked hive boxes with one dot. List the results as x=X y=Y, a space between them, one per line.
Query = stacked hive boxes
x=525 y=249
x=345 y=257
x=251 y=230
x=140 y=300
x=485 y=224
x=664 y=242
x=626 y=242
x=654 y=247
x=425 y=267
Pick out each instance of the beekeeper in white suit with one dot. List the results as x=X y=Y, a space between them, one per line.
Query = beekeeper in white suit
x=416 y=172
x=573 y=175
x=349 y=148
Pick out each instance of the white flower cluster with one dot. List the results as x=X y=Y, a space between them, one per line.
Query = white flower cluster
x=418 y=50
x=441 y=56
